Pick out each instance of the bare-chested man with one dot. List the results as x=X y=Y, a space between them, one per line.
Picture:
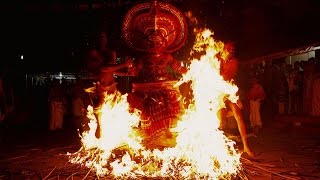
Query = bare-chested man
x=101 y=63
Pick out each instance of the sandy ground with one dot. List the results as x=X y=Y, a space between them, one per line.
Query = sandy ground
x=283 y=151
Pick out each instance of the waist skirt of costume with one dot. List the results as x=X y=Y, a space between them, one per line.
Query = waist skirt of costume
x=159 y=104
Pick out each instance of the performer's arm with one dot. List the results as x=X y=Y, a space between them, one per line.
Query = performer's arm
x=115 y=67
x=132 y=69
x=176 y=65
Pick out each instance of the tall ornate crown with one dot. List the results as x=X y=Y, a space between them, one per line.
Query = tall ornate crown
x=154 y=19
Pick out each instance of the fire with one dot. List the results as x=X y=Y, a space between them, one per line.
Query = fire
x=201 y=150
x=117 y=130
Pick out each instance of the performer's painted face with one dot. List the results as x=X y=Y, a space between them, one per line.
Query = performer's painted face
x=157 y=41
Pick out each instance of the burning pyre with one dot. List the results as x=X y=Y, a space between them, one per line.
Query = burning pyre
x=201 y=149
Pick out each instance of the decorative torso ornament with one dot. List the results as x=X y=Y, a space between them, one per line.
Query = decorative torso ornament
x=155 y=30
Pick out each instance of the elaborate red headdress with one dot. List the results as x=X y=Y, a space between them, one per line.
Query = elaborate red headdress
x=154 y=27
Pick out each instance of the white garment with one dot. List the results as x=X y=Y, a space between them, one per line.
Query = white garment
x=255 y=117
x=56 y=115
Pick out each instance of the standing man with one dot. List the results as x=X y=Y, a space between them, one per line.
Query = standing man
x=256 y=95
x=101 y=63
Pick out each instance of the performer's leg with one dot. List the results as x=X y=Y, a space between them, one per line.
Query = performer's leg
x=97 y=102
x=96 y=108
x=97 y=114
x=241 y=126
x=222 y=118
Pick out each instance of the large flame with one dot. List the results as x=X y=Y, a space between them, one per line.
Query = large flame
x=201 y=150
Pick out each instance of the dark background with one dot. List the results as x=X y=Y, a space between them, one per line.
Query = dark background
x=53 y=35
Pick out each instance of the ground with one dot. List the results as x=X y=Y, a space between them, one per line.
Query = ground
x=283 y=151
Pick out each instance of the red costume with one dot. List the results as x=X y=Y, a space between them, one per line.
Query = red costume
x=155 y=29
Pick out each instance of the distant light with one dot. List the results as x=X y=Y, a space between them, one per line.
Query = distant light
x=21 y=57
x=60 y=74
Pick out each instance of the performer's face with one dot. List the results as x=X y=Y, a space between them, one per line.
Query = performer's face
x=157 y=41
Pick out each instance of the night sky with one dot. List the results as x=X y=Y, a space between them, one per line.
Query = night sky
x=54 y=35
